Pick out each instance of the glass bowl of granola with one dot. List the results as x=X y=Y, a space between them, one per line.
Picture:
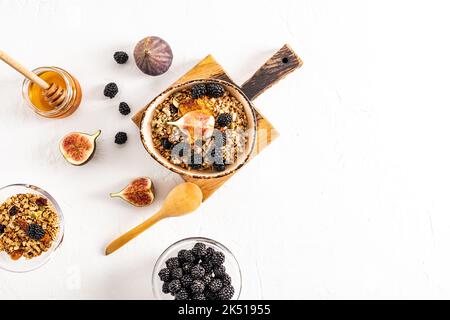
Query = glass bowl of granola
x=31 y=227
x=201 y=128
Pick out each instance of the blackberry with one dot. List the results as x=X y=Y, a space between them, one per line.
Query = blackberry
x=200 y=297
x=215 y=90
x=224 y=119
x=199 y=249
x=208 y=266
x=2 y=228
x=215 y=285
x=174 y=286
x=166 y=143
x=195 y=161
x=173 y=109
x=120 y=57
x=164 y=274
x=120 y=138
x=209 y=295
x=124 y=108
x=189 y=256
x=35 y=231
x=197 y=286
x=218 y=258
x=219 y=167
x=207 y=279
x=209 y=253
x=182 y=295
x=187 y=266
x=172 y=263
x=219 y=271
x=226 y=279
x=41 y=202
x=13 y=211
x=165 y=287
x=111 y=90
x=198 y=91
x=226 y=293
x=181 y=254
x=186 y=281
x=197 y=272
x=176 y=273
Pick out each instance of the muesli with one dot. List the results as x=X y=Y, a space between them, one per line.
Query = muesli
x=202 y=128
x=29 y=225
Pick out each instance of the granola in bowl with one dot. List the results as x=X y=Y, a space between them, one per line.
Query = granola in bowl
x=203 y=127
x=29 y=225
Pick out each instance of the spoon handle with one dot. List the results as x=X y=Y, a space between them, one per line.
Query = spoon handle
x=133 y=233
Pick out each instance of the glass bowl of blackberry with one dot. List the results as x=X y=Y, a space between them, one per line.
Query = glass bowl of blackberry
x=197 y=269
x=31 y=227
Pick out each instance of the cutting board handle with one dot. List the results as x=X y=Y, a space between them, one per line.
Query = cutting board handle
x=276 y=68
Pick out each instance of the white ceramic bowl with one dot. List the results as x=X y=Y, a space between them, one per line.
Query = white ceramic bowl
x=147 y=141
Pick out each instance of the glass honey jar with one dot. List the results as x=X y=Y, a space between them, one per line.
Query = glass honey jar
x=35 y=95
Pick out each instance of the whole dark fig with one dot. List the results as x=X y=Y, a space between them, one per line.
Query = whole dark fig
x=153 y=56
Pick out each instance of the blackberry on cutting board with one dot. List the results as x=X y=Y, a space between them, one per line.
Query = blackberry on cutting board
x=214 y=90
x=226 y=293
x=124 y=108
x=164 y=274
x=198 y=91
x=121 y=57
x=120 y=138
x=111 y=90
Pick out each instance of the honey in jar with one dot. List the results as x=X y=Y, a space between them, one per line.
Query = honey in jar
x=34 y=95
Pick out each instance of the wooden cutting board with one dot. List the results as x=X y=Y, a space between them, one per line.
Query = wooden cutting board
x=283 y=62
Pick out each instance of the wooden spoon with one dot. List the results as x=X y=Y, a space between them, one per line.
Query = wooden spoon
x=183 y=199
x=55 y=95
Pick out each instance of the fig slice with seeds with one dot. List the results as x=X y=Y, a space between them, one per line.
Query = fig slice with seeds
x=78 y=148
x=196 y=124
x=139 y=192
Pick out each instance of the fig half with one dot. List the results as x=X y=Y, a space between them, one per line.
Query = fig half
x=78 y=148
x=139 y=192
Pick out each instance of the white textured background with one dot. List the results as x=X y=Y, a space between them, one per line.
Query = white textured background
x=352 y=200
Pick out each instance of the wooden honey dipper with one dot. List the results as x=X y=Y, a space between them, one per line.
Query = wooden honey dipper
x=55 y=95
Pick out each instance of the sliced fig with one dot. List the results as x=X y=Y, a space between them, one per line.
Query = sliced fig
x=196 y=124
x=78 y=148
x=139 y=192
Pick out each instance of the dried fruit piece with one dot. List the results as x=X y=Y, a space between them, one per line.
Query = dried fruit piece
x=138 y=193
x=196 y=124
x=78 y=148
x=153 y=56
